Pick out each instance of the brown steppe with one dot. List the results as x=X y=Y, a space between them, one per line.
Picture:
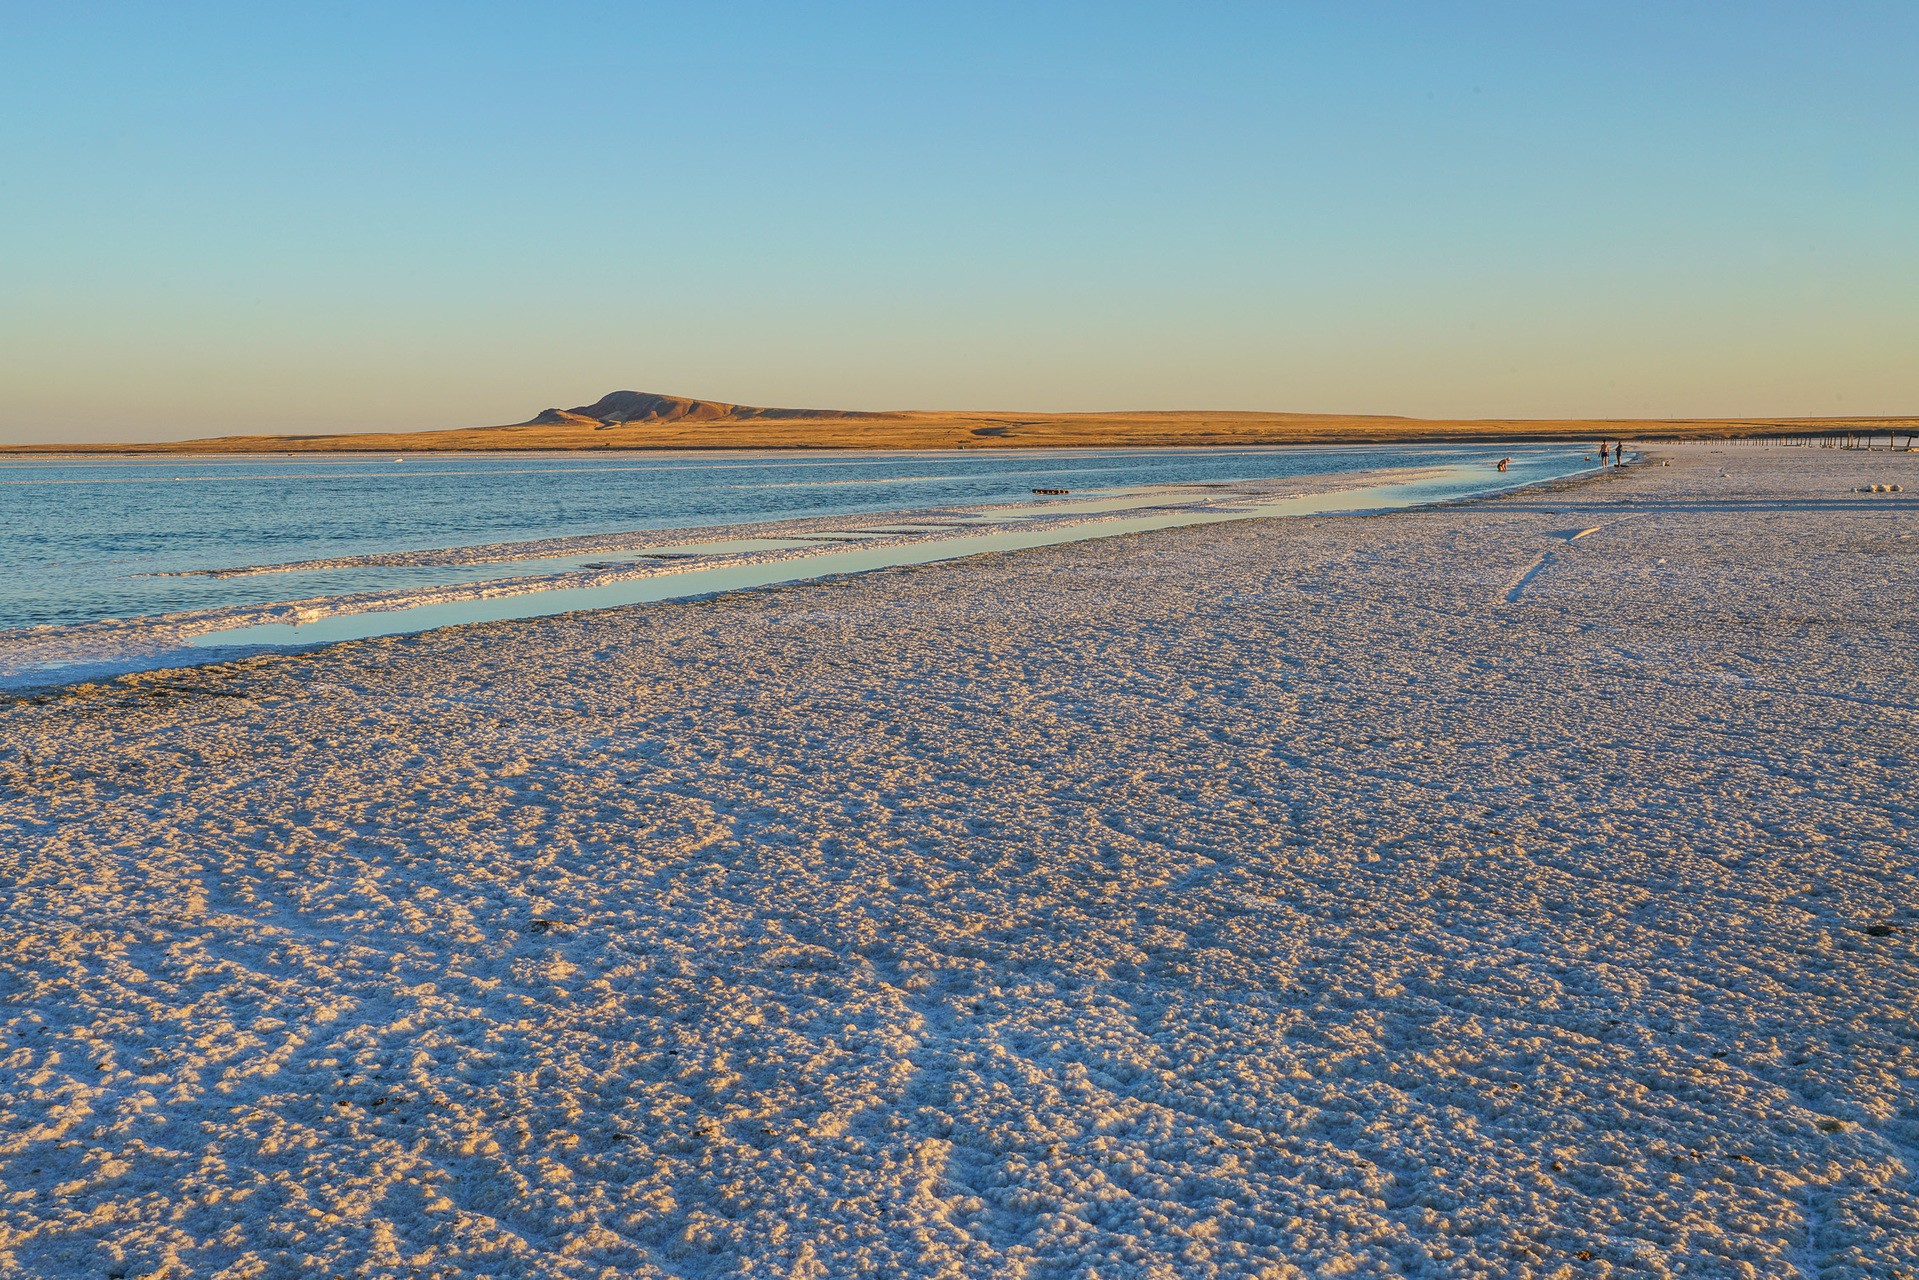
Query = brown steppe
x=675 y=423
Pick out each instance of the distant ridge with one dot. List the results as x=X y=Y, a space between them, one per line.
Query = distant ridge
x=648 y=420
x=620 y=407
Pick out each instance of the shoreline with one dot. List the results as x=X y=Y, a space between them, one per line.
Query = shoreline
x=1512 y=887
x=652 y=565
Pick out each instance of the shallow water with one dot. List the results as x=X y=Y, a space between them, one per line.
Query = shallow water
x=1447 y=483
x=91 y=542
x=78 y=538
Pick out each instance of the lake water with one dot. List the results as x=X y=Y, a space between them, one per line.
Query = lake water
x=91 y=540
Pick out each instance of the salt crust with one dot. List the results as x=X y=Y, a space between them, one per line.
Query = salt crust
x=1287 y=898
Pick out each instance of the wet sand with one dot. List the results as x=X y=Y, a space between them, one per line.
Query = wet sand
x=1523 y=888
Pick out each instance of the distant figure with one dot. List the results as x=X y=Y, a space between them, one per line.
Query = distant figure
x=1503 y=462
x=1603 y=446
x=1619 y=454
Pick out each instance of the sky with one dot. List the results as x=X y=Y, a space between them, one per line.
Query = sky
x=244 y=217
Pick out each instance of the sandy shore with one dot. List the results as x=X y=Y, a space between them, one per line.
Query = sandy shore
x=1432 y=894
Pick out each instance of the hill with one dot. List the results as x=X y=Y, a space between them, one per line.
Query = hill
x=621 y=407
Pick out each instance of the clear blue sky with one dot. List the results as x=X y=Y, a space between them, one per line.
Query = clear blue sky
x=220 y=217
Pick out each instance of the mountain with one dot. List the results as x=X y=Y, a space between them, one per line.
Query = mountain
x=619 y=407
